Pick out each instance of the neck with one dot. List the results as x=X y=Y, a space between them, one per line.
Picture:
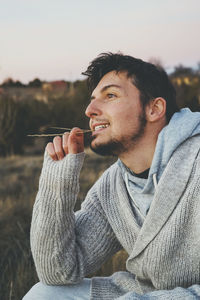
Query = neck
x=139 y=157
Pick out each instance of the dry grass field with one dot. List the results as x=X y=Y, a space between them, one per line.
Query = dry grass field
x=19 y=176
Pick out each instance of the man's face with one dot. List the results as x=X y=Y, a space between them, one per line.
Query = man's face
x=117 y=117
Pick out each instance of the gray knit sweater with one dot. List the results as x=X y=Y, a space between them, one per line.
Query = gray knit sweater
x=164 y=254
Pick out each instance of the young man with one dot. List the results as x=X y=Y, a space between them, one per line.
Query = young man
x=148 y=202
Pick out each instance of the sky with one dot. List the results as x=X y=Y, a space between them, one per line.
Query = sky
x=56 y=39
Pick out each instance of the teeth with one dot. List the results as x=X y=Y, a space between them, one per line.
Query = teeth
x=101 y=126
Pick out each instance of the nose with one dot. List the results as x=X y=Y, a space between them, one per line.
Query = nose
x=93 y=109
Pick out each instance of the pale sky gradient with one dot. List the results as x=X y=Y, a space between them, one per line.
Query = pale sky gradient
x=56 y=39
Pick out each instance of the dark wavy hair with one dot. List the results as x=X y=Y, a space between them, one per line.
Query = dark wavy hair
x=151 y=80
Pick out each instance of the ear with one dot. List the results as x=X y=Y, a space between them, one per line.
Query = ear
x=156 y=109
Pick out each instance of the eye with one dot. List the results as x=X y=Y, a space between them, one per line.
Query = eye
x=110 y=95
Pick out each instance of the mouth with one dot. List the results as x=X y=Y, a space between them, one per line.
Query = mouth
x=99 y=127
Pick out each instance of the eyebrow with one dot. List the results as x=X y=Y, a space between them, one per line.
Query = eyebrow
x=106 y=88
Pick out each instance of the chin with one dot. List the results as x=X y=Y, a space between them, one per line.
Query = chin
x=111 y=148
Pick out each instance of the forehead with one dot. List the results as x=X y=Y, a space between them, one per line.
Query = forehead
x=116 y=79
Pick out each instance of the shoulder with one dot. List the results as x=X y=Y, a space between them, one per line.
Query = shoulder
x=186 y=158
x=189 y=148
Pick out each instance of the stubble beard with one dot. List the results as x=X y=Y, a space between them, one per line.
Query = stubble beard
x=115 y=146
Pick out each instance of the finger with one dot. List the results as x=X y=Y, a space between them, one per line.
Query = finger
x=76 y=141
x=57 y=141
x=51 y=151
x=65 y=142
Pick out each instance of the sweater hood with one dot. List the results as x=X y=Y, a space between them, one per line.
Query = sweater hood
x=183 y=125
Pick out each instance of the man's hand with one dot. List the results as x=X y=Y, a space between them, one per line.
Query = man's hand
x=72 y=142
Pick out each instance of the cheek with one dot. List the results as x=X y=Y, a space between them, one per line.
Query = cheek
x=124 y=115
x=123 y=121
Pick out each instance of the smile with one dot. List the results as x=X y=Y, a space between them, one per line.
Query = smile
x=98 y=127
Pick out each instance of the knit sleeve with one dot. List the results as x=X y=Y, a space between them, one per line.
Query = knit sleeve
x=191 y=293
x=67 y=246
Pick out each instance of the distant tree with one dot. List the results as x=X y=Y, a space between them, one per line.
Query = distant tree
x=69 y=110
x=182 y=70
x=80 y=101
x=198 y=68
x=32 y=115
x=8 y=118
x=19 y=84
x=35 y=83
x=17 y=120
x=9 y=82
x=187 y=85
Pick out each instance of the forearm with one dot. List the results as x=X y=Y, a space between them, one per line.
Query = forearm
x=67 y=247
x=53 y=212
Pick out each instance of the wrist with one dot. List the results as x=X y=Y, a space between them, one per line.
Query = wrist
x=65 y=168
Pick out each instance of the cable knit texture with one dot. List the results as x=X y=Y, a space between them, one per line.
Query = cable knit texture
x=164 y=254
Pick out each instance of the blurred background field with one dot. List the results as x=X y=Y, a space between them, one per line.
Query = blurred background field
x=34 y=108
